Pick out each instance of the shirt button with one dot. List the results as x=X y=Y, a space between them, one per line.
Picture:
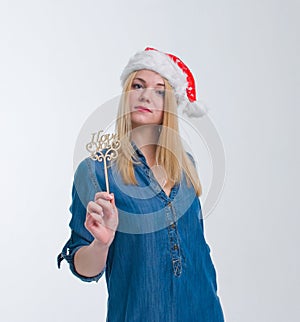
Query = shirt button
x=175 y=247
x=173 y=226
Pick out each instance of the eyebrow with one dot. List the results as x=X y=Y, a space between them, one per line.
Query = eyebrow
x=144 y=82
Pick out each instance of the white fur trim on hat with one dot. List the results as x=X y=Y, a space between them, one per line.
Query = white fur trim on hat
x=161 y=64
x=195 y=109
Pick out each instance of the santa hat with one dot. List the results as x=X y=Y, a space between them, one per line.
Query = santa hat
x=175 y=71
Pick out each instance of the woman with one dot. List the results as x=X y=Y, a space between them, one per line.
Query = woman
x=147 y=236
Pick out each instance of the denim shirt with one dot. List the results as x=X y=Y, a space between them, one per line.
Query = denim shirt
x=158 y=267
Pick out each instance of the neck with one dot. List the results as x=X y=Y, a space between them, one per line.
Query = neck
x=146 y=137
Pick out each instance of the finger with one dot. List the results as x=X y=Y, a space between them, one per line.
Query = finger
x=103 y=195
x=107 y=206
x=94 y=218
x=113 y=203
x=94 y=207
x=95 y=221
x=90 y=222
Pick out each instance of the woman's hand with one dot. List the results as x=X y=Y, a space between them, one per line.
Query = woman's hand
x=102 y=218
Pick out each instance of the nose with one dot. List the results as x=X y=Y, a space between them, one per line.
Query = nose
x=145 y=95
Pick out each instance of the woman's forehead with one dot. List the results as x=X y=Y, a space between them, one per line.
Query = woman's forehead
x=149 y=76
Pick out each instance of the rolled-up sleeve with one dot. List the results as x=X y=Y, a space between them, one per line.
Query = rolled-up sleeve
x=84 y=188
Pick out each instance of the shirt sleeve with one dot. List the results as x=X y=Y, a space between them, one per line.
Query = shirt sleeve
x=84 y=188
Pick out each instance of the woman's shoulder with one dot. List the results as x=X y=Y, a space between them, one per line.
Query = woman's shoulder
x=91 y=164
x=92 y=169
x=88 y=171
x=86 y=166
x=190 y=156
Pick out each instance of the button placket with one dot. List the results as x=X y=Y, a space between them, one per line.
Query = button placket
x=174 y=240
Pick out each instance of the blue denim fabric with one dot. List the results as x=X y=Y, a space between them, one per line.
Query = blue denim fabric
x=158 y=267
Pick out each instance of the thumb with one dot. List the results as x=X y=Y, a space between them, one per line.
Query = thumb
x=112 y=200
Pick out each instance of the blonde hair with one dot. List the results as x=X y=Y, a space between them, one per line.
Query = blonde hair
x=169 y=151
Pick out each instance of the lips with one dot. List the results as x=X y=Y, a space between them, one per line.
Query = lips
x=143 y=109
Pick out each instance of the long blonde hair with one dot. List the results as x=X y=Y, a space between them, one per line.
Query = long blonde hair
x=169 y=152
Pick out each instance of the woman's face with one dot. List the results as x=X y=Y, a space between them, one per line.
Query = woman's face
x=146 y=98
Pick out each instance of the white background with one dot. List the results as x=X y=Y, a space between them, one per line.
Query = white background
x=61 y=59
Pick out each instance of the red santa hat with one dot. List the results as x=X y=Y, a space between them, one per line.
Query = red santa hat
x=175 y=71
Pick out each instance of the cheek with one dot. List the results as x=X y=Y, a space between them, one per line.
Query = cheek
x=132 y=97
x=159 y=116
x=158 y=103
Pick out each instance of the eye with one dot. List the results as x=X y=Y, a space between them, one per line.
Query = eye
x=160 y=92
x=136 y=86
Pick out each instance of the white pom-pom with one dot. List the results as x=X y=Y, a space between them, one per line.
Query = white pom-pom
x=195 y=109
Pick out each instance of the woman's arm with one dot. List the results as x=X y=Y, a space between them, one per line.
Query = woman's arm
x=90 y=260
x=101 y=221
